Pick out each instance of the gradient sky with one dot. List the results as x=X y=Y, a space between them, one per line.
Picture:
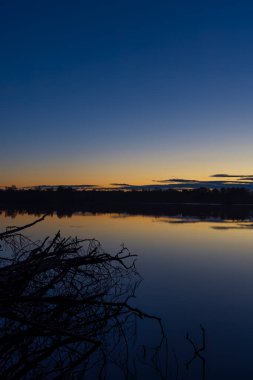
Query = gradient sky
x=124 y=91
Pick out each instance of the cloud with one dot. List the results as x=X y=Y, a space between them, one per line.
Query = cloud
x=248 y=179
x=180 y=184
x=79 y=187
x=220 y=180
x=119 y=184
x=232 y=176
x=176 y=180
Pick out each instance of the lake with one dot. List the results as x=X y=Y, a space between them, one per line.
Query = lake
x=194 y=272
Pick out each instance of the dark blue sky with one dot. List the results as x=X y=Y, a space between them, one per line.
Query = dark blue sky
x=105 y=91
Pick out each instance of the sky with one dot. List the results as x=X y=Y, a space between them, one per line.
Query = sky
x=100 y=92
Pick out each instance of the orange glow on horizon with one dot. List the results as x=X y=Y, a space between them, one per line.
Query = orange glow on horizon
x=104 y=174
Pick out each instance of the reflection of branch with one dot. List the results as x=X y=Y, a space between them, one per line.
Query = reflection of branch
x=197 y=351
x=177 y=365
x=15 y=230
x=64 y=307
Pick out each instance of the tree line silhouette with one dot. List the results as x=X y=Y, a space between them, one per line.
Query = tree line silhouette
x=203 y=203
x=69 y=194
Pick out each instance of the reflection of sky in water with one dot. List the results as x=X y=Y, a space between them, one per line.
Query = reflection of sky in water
x=194 y=272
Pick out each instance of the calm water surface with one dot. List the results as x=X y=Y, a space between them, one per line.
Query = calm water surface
x=194 y=272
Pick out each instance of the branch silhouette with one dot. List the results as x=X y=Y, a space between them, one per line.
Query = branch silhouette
x=198 y=350
x=64 y=307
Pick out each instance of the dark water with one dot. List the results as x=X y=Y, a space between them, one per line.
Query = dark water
x=194 y=272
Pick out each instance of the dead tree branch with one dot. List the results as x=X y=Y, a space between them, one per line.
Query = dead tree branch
x=64 y=305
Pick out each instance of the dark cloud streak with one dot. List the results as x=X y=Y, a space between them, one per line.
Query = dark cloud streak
x=232 y=176
x=119 y=184
x=176 y=180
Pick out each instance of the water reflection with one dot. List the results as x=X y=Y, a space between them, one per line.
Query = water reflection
x=238 y=226
x=118 y=210
x=194 y=272
x=65 y=311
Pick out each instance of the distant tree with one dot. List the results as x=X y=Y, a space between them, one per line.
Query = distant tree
x=11 y=188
